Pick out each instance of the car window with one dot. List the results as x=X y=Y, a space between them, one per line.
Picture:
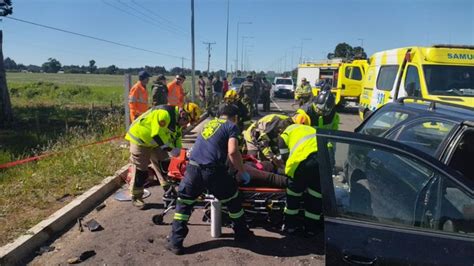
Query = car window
x=426 y=135
x=356 y=74
x=378 y=185
x=284 y=82
x=386 y=77
x=348 y=71
x=381 y=122
x=456 y=214
x=412 y=82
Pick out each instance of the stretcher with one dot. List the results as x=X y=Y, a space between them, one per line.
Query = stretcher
x=261 y=204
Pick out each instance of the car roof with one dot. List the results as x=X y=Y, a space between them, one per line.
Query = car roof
x=459 y=114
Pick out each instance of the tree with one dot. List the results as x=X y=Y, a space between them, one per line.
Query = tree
x=344 y=50
x=359 y=53
x=52 y=66
x=111 y=70
x=6 y=114
x=10 y=64
x=92 y=66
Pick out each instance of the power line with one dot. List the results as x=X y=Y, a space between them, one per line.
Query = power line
x=154 y=21
x=95 y=38
x=160 y=17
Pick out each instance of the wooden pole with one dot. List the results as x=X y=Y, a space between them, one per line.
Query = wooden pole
x=6 y=113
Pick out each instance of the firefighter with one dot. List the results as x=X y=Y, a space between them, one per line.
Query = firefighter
x=207 y=170
x=176 y=95
x=298 y=148
x=194 y=112
x=303 y=92
x=159 y=90
x=246 y=93
x=261 y=138
x=231 y=97
x=321 y=110
x=151 y=135
x=266 y=88
x=138 y=96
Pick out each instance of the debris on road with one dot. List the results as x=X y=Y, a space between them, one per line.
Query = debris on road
x=93 y=225
x=84 y=256
x=100 y=207
x=79 y=224
x=45 y=249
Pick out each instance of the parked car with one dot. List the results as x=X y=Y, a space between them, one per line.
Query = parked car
x=283 y=87
x=403 y=192
x=236 y=82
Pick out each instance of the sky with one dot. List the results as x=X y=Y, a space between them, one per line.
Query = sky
x=277 y=31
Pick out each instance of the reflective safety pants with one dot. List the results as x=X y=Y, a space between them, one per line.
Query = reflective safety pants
x=219 y=183
x=306 y=186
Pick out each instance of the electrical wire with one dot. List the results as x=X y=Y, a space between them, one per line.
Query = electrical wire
x=95 y=38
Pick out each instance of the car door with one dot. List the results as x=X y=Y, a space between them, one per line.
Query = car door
x=350 y=80
x=403 y=208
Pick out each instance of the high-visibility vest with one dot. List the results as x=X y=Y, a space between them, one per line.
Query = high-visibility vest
x=158 y=121
x=260 y=124
x=301 y=142
x=137 y=100
x=175 y=94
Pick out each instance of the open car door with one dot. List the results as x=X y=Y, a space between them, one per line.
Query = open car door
x=388 y=204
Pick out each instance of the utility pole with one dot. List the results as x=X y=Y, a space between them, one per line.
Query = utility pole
x=227 y=40
x=242 y=55
x=208 y=54
x=237 y=46
x=301 y=51
x=6 y=114
x=193 y=77
x=182 y=63
x=361 y=42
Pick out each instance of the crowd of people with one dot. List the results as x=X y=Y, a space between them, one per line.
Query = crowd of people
x=287 y=142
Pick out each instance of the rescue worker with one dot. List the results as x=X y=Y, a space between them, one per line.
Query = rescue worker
x=159 y=91
x=266 y=88
x=244 y=118
x=225 y=86
x=261 y=138
x=202 y=90
x=321 y=110
x=151 y=135
x=247 y=93
x=256 y=96
x=176 y=92
x=298 y=148
x=217 y=90
x=194 y=112
x=303 y=92
x=138 y=96
x=209 y=93
x=207 y=170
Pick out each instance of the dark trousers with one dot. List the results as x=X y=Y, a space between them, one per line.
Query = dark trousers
x=195 y=182
x=266 y=101
x=306 y=186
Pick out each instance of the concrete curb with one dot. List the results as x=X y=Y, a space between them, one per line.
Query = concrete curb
x=24 y=246
x=21 y=250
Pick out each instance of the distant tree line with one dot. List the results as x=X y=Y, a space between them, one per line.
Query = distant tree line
x=54 y=66
x=344 y=50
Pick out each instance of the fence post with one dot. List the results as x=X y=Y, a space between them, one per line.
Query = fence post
x=127 y=84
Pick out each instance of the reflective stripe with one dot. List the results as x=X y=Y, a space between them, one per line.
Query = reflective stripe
x=181 y=217
x=284 y=151
x=314 y=193
x=300 y=142
x=236 y=215
x=292 y=193
x=191 y=162
x=135 y=138
x=290 y=211
x=186 y=201
x=313 y=216
x=231 y=198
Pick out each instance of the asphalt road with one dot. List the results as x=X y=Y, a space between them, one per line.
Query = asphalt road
x=129 y=236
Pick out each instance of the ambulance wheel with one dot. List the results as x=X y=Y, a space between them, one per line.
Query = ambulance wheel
x=158 y=219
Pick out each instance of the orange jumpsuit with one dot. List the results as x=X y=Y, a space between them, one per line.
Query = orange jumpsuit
x=137 y=100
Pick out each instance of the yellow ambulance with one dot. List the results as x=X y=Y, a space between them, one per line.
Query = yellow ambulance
x=441 y=72
x=345 y=77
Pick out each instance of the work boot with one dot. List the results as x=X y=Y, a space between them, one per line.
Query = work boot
x=137 y=198
x=177 y=250
x=312 y=228
x=243 y=235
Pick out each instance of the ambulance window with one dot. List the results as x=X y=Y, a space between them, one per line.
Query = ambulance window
x=348 y=72
x=386 y=78
x=356 y=74
x=412 y=82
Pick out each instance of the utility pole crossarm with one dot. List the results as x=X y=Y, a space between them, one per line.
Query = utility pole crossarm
x=208 y=54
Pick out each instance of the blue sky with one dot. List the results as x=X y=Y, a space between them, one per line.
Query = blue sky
x=277 y=29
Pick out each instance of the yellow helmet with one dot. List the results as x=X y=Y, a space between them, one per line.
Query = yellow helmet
x=193 y=110
x=302 y=119
x=230 y=95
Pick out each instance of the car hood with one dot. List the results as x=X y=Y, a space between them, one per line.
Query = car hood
x=284 y=87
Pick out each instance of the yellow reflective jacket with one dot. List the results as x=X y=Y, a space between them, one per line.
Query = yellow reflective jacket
x=300 y=141
x=159 y=121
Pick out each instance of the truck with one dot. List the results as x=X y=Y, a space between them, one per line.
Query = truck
x=441 y=72
x=344 y=76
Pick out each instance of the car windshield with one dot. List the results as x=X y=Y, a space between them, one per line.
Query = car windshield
x=237 y=81
x=284 y=82
x=450 y=80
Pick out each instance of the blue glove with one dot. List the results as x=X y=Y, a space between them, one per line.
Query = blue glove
x=245 y=177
